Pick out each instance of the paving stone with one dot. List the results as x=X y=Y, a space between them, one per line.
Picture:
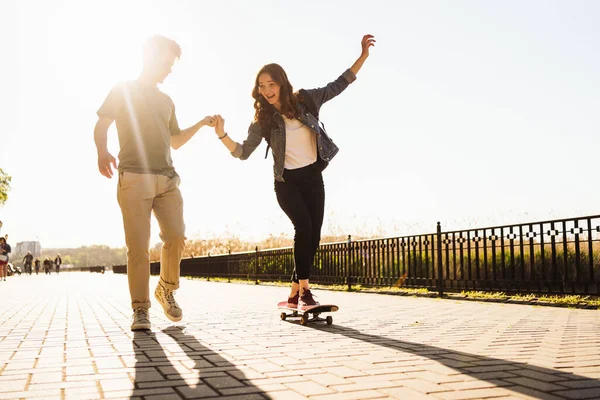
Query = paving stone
x=76 y=343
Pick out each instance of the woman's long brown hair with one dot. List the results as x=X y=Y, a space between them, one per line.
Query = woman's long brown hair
x=263 y=111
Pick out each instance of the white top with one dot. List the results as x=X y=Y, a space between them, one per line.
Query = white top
x=300 y=144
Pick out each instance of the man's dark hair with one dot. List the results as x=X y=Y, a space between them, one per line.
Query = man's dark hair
x=156 y=44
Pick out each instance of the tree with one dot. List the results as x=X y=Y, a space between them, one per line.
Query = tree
x=4 y=186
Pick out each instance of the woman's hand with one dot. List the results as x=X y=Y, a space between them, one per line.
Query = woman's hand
x=222 y=135
x=219 y=125
x=366 y=42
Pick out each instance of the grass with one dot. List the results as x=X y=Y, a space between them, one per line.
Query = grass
x=339 y=288
x=563 y=301
x=485 y=295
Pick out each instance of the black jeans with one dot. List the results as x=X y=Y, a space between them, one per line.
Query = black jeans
x=302 y=198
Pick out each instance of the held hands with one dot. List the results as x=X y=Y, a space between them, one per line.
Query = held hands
x=366 y=42
x=209 y=120
x=105 y=159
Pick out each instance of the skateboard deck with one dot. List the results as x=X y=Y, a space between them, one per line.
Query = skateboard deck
x=304 y=313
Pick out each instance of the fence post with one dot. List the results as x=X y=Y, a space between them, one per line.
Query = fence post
x=440 y=282
x=228 y=257
x=348 y=263
x=208 y=273
x=256 y=266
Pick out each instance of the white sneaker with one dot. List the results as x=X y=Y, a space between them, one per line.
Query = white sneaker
x=167 y=301
x=141 y=319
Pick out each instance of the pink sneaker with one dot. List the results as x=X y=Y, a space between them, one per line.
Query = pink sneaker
x=307 y=300
x=292 y=302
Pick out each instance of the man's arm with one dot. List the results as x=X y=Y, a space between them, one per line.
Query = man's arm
x=105 y=159
x=186 y=134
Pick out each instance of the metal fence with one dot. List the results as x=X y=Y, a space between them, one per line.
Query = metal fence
x=548 y=257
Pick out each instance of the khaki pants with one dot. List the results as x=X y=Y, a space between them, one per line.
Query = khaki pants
x=138 y=196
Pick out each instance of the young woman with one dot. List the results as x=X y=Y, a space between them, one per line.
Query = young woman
x=289 y=122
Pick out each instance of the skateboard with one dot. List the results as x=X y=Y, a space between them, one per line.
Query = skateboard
x=304 y=314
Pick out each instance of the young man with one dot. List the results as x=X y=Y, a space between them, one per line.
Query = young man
x=147 y=127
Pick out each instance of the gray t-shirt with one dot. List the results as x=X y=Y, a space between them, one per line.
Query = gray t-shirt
x=145 y=119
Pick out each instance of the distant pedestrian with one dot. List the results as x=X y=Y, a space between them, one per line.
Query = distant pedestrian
x=58 y=263
x=4 y=252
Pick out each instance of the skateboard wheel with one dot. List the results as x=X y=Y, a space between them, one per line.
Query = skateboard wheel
x=329 y=320
x=282 y=316
x=304 y=320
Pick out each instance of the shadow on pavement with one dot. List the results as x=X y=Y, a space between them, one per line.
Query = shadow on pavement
x=206 y=375
x=515 y=373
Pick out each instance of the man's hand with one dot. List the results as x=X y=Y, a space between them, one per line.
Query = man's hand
x=105 y=159
x=209 y=121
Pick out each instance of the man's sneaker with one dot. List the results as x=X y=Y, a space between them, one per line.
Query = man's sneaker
x=141 y=319
x=167 y=301
x=292 y=302
x=307 y=300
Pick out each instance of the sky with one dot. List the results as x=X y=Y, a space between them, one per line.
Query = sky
x=469 y=113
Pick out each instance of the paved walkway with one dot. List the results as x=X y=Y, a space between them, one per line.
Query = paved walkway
x=68 y=336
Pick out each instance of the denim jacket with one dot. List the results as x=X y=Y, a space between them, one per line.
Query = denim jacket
x=326 y=149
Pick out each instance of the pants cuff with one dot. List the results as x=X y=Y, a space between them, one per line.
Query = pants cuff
x=167 y=285
x=137 y=304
